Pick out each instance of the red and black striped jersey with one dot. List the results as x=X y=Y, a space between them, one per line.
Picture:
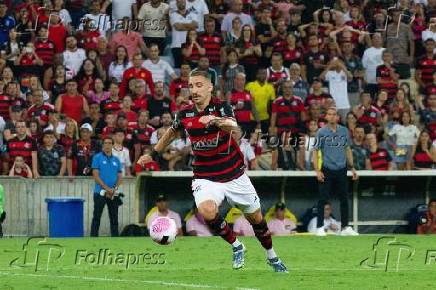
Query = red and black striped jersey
x=427 y=67
x=217 y=156
x=291 y=56
x=176 y=86
x=277 y=76
x=369 y=115
x=278 y=44
x=422 y=159
x=288 y=114
x=45 y=51
x=195 y=54
x=110 y=105
x=390 y=86
x=430 y=89
x=39 y=112
x=5 y=104
x=249 y=59
x=24 y=147
x=316 y=99
x=380 y=159
x=242 y=106
x=212 y=44
x=142 y=135
x=141 y=103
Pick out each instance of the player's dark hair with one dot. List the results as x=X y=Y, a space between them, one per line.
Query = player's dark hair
x=199 y=73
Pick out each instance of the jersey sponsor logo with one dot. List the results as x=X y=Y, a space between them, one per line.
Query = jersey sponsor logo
x=189 y=115
x=206 y=144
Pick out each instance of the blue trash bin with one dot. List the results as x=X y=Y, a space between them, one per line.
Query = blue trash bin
x=65 y=217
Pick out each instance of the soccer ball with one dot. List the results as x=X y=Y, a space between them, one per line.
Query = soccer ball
x=163 y=230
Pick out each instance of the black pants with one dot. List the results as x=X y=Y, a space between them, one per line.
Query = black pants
x=2 y=218
x=334 y=181
x=177 y=56
x=112 y=206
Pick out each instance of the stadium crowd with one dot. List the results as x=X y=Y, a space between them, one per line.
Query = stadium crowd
x=72 y=72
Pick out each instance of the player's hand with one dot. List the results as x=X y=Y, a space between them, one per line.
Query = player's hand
x=355 y=176
x=110 y=193
x=206 y=120
x=320 y=176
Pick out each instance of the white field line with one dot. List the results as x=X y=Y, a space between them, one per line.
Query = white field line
x=105 y=279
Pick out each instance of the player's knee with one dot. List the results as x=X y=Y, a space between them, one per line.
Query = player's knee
x=255 y=217
x=208 y=209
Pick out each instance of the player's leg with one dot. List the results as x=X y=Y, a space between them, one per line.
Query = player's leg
x=342 y=189
x=112 y=206
x=208 y=196
x=242 y=194
x=324 y=189
x=99 y=202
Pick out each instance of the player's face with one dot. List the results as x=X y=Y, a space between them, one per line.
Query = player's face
x=200 y=89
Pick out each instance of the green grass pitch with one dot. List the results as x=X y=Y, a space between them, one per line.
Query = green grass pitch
x=396 y=262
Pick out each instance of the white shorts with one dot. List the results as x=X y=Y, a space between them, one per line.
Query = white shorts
x=239 y=192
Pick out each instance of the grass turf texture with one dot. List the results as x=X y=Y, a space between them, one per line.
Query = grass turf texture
x=205 y=263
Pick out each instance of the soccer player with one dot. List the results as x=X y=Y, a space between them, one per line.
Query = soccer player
x=219 y=167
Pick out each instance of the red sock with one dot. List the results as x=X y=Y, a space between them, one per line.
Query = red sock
x=263 y=234
x=220 y=227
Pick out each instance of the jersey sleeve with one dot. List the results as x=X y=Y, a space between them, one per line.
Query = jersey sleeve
x=226 y=111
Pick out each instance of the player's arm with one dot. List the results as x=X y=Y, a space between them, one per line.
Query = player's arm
x=166 y=140
x=227 y=124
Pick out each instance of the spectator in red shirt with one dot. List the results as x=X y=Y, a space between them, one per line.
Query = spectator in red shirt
x=387 y=78
x=428 y=225
x=181 y=82
x=44 y=47
x=424 y=154
x=22 y=145
x=136 y=72
x=28 y=62
x=379 y=157
x=57 y=33
x=142 y=134
x=20 y=168
x=39 y=109
x=126 y=108
x=146 y=164
x=72 y=104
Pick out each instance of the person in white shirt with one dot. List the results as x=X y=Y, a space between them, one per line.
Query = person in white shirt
x=198 y=7
x=155 y=15
x=181 y=22
x=337 y=75
x=120 y=64
x=226 y=24
x=73 y=56
x=118 y=150
x=406 y=135
x=159 y=68
x=99 y=20
x=120 y=8
x=331 y=225
x=305 y=153
x=372 y=58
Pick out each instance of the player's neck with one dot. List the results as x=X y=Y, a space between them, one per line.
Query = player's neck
x=201 y=106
